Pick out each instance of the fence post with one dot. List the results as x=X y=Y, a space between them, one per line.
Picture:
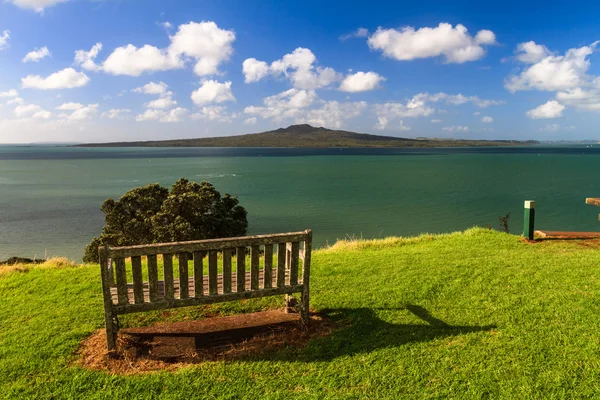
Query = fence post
x=529 y=219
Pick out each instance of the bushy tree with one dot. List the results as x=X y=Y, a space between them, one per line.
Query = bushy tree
x=152 y=214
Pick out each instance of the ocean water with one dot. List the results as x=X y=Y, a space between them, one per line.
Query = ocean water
x=50 y=196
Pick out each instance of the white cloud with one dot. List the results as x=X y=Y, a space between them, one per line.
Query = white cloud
x=359 y=33
x=43 y=114
x=203 y=41
x=212 y=91
x=167 y=25
x=214 y=113
x=36 y=5
x=551 y=128
x=454 y=43
x=152 y=88
x=551 y=109
x=36 y=55
x=83 y=113
x=383 y=123
x=487 y=120
x=476 y=113
x=361 y=82
x=436 y=121
x=553 y=73
x=388 y=112
x=4 y=39
x=25 y=110
x=333 y=114
x=115 y=113
x=456 y=99
x=16 y=100
x=292 y=98
x=174 y=115
x=9 y=93
x=67 y=78
x=456 y=128
x=298 y=67
x=250 y=121
x=254 y=70
x=531 y=52
x=70 y=106
x=162 y=103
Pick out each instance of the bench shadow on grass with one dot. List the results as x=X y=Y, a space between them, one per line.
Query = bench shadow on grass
x=362 y=331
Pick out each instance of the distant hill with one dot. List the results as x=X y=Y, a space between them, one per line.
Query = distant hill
x=308 y=136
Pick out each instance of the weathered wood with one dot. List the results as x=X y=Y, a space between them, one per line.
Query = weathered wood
x=212 y=272
x=305 y=306
x=198 y=273
x=168 y=273
x=227 y=270
x=241 y=269
x=136 y=272
x=184 y=290
x=254 y=266
x=595 y=201
x=188 y=247
x=268 y=275
x=153 y=278
x=160 y=305
x=107 y=280
x=281 y=256
x=121 y=274
x=294 y=263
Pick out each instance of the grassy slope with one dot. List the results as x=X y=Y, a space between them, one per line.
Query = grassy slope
x=467 y=315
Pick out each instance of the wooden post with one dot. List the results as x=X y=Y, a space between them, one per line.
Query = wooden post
x=109 y=315
x=529 y=219
x=305 y=308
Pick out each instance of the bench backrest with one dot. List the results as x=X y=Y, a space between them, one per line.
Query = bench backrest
x=141 y=285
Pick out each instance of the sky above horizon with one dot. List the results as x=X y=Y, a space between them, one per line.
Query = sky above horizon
x=124 y=70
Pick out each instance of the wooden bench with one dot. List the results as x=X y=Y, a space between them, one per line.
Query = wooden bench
x=183 y=289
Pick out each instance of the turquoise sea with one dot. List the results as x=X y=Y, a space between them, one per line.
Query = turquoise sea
x=50 y=196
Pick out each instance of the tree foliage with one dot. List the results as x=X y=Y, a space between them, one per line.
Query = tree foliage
x=153 y=214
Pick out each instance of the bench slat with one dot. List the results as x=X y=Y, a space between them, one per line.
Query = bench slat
x=281 y=256
x=268 y=274
x=198 y=273
x=138 y=284
x=254 y=266
x=153 y=278
x=294 y=263
x=168 y=272
x=212 y=272
x=121 y=275
x=184 y=290
x=227 y=270
x=241 y=269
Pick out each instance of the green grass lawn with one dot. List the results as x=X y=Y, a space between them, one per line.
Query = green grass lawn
x=478 y=314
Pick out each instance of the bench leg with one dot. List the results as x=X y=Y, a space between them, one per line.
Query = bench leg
x=112 y=328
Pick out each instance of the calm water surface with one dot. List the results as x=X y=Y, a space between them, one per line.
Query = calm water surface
x=50 y=196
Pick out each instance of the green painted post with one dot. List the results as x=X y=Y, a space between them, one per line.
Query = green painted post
x=529 y=219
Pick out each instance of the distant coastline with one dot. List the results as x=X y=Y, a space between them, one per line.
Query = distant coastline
x=307 y=136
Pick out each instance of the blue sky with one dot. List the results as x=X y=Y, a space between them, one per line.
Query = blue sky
x=106 y=70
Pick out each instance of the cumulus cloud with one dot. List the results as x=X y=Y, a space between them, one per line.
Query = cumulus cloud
x=162 y=103
x=388 y=112
x=298 y=66
x=456 y=128
x=531 y=52
x=361 y=82
x=36 y=55
x=4 y=39
x=80 y=112
x=456 y=99
x=36 y=5
x=487 y=120
x=152 y=88
x=383 y=123
x=42 y=114
x=214 y=113
x=9 y=93
x=26 y=110
x=333 y=114
x=250 y=121
x=115 y=113
x=212 y=91
x=70 y=106
x=359 y=33
x=174 y=115
x=204 y=42
x=454 y=43
x=552 y=72
x=16 y=100
x=67 y=78
x=551 y=109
